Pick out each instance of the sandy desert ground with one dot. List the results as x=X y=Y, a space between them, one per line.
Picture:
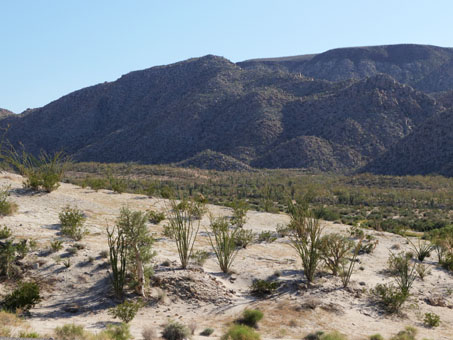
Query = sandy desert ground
x=203 y=296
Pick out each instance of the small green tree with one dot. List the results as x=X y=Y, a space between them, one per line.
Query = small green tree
x=223 y=242
x=184 y=223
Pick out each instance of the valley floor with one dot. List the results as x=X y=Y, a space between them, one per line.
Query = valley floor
x=203 y=296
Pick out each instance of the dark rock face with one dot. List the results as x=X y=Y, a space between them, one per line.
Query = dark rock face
x=211 y=113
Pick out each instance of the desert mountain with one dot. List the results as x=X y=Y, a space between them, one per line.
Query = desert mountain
x=428 y=150
x=5 y=113
x=424 y=67
x=257 y=116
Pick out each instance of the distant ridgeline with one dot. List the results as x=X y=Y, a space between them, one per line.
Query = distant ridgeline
x=383 y=109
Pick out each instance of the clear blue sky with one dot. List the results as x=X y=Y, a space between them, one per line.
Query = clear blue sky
x=49 y=48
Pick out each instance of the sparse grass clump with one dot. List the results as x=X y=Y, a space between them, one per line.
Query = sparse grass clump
x=333 y=336
x=241 y=332
x=175 y=331
x=72 y=221
x=376 y=337
x=70 y=332
x=5 y=233
x=200 y=257
x=266 y=236
x=155 y=217
x=408 y=334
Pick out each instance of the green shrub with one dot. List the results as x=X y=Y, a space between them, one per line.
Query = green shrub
x=207 y=332
x=243 y=238
x=175 y=331
x=126 y=311
x=376 y=337
x=155 y=217
x=404 y=270
x=119 y=332
x=431 y=320
x=72 y=220
x=56 y=245
x=390 y=297
x=266 y=236
x=23 y=298
x=335 y=248
x=408 y=334
x=200 y=257
x=241 y=332
x=333 y=336
x=5 y=232
x=29 y=335
x=447 y=262
x=422 y=249
x=262 y=288
x=314 y=336
x=6 y=207
x=70 y=332
x=251 y=317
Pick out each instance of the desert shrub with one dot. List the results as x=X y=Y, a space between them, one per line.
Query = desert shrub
x=333 y=336
x=70 y=332
x=126 y=311
x=356 y=232
x=240 y=332
x=207 y=332
x=240 y=209
x=8 y=256
x=23 y=298
x=72 y=220
x=376 y=337
x=431 y=320
x=390 y=297
x=408 y=334
x=56 y=245
x=262 y=288
x=95 y=183
x=422 y=271
x=347 y=267
x=117 y=184
x=250 y=317
x=184 y=223
x=368 y=244
x=243 y=238
x=282 y=230
x=327 y=214
x=447 y=262
x=119 y=332
x=175 y=331
x=200 y=257
x=43 y=172
x=314 y=336
x=335 y=248
x=130 y=246
x=266 y=236
x=149 y=333
x=6 y=207
x=5 y=232
x=404 y=271
x=155 y=217
x=29 y=335
x=223 y=242
x=306 y=239
x=421 y=248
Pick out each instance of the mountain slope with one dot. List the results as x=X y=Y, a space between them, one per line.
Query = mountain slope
x=428 y=150
x=246 y=116
x=427 y=68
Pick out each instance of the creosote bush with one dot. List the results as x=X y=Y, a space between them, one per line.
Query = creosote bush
x=72 y=221
x=126 y=311
x=250 y=317
x=262 y=288
x=390 y=297
x=175 y=331
x=431 y=320
x=241 y=332
x=23 y=298
x=243 y=238
x=335 y=248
